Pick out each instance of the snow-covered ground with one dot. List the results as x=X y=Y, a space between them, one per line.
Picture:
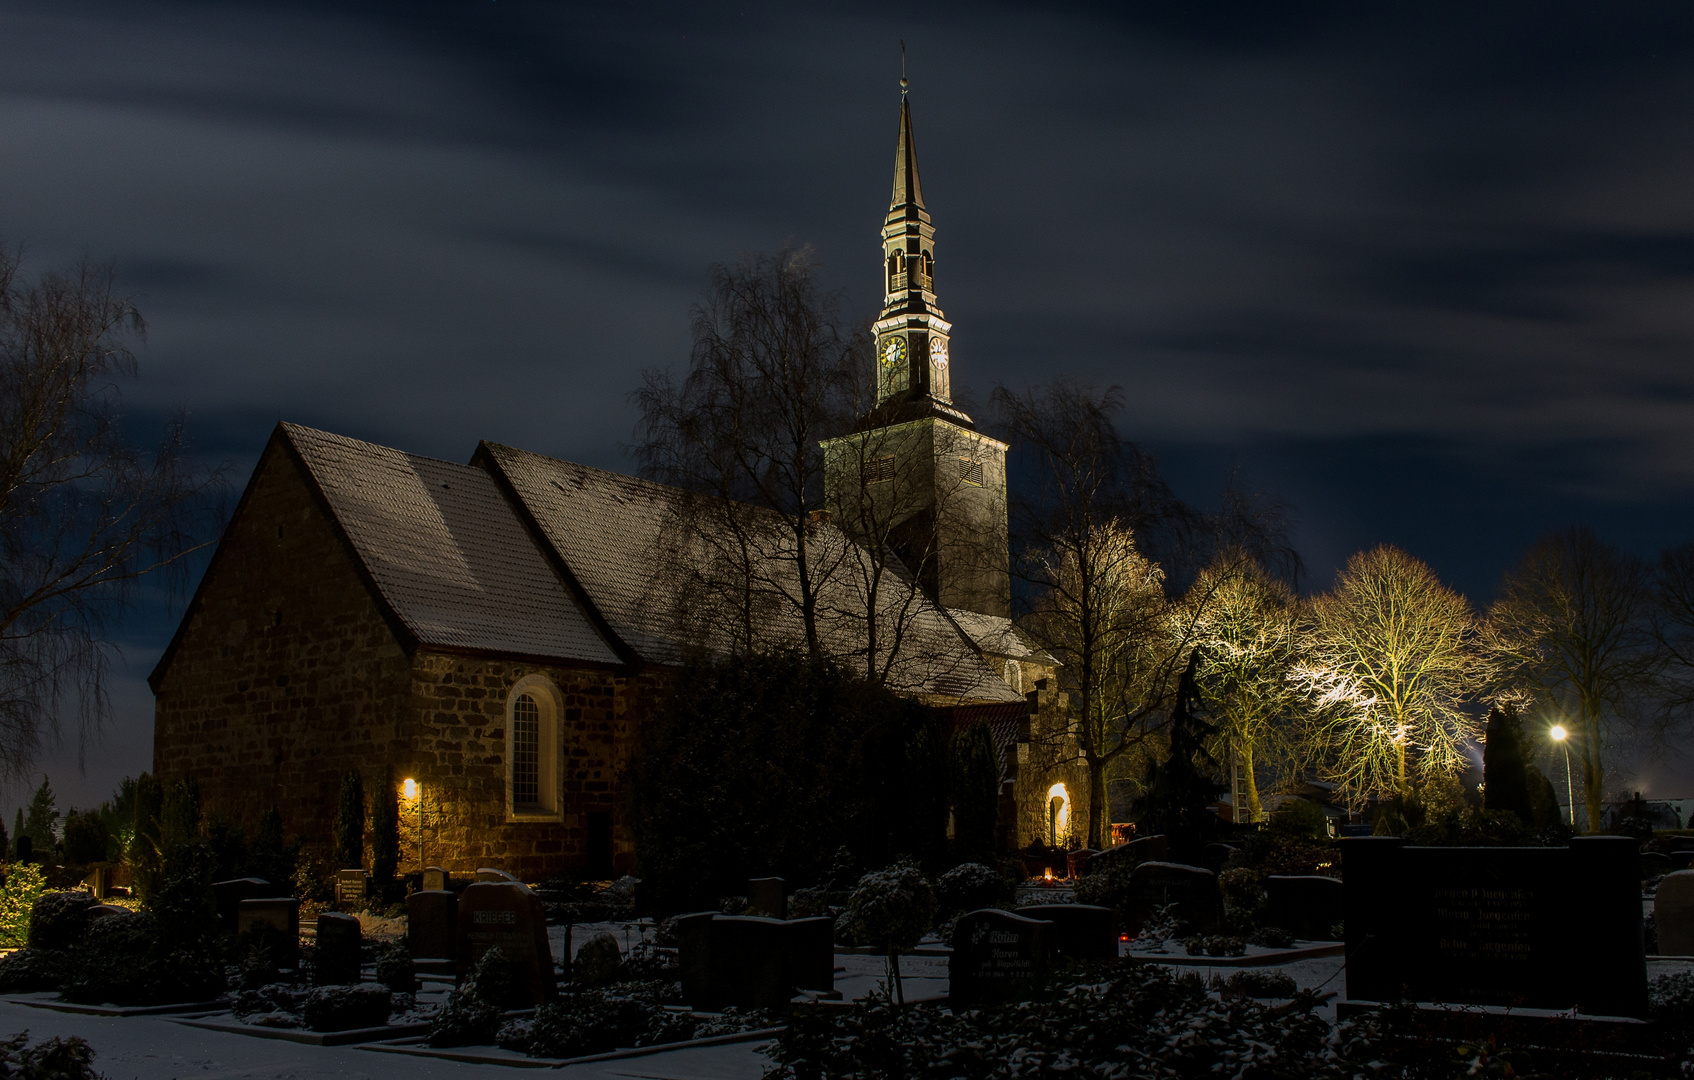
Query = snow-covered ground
x=154 y=1048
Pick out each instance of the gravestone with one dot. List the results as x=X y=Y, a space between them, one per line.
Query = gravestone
x=748 y=962
x=489 y=873
x=1538 y=928
x=279 y=914
x=1076 y=862
x=693 y=952
x=509 y=915
x=352 y=890
x=229 y=894
x=436 y=879
x=1306 y=905
x=811 y=953
x=432 y=917
x=1080 y=931
x=336 y=959
x=105 y=911
x=1192 y=889
x=597 y=962
x=1654 y=864
x=767 y=896
x=1681 y=860
x=1673 y=911
x=996 y=956
x=1144 y=849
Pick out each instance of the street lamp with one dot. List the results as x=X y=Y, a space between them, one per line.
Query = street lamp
x=1560 y=735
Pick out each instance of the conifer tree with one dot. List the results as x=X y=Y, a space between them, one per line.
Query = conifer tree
x=18 y=826
x=1505 y=784
x=5 y=842
x=179 y=814
x=1179 y=790
x=385 y=829
x=350 y=822
x=41 y=824
x=976 y=794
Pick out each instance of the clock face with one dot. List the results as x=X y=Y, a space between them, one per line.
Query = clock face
x=938 y=351
x=894 y=352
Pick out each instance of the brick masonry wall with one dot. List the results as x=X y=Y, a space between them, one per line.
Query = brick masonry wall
x=287 y=676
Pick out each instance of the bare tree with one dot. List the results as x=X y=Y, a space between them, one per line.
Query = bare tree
x=1248 y=633
x=83 y=515
x=1574 y=626
x=770 y=377
x=1389 y=658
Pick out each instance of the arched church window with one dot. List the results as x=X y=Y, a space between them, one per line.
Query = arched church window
x=532 y=750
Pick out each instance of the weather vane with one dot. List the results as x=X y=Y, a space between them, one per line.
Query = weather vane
x=903 y=83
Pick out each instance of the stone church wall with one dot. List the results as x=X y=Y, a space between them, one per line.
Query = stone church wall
x=1050 y=757
x=286 y=675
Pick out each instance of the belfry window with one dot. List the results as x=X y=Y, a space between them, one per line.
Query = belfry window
x=928 y=280
x=970 y=472
x=879 y=470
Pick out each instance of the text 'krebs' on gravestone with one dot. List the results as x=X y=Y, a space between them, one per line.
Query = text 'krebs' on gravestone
x=1545 y=928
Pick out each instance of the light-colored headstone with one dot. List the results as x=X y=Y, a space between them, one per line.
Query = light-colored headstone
x=436 y=879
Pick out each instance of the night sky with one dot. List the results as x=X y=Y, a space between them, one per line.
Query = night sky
x=1422 y=271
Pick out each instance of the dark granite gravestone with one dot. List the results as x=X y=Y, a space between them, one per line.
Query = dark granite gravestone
x=489 y=873
x=336 y=959
x=1673 y=911
x=1305 y=905
x=509 y=915
x=432 y=917
x=750 y=961
x=281 y=916
x=1544 y=928
x=229 y=894
x=767 y=896
x=996 y=956
x=1654 y=864
x=1192 y=889
x=1080 y=931
x=352 y=890
x=694 y=956
x=436 y=879
x=1143 y=849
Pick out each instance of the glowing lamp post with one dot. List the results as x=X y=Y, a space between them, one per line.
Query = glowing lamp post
x=1560 y=735
x=411 y=790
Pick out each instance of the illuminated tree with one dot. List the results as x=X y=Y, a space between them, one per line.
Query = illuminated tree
x=1388 y=658
x=1574 y=626
x=1248 y=630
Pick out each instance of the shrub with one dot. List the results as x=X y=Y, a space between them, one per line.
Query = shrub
x=86 y=838
x=1215 y=945
x=1271 y=937
x=25 y=882
x=55 y=1059
x=1670 y=1001
x=29 y=970
x=346 y=1008
x=594 y=1021
x=970 y=886
x=131 y=959
x=1260 y=984
x=395 y=969
x=1298 y=819
x=59 y=919
x=1110 y=887
x=472 y=1013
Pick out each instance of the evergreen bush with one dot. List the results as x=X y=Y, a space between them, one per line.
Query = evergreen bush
x=385 y=830
x=25 y=882
x=346 y=1008
x=1505 y=781
x=970 y=886
x=68 y=1058
x=975 y=782
x=59 y=920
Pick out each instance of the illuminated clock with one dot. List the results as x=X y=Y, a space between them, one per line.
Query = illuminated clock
x=894 y=352
x=938 y=351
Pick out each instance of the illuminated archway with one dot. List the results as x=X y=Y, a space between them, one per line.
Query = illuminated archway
x=1058 y=814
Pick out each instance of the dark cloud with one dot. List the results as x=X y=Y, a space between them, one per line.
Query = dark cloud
x=1422 y=269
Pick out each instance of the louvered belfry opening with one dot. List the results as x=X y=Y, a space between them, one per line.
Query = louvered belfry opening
x=526 y=752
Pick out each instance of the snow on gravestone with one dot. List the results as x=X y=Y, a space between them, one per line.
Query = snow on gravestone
x=509 y=915
x=1673 y=911
x=996 y=955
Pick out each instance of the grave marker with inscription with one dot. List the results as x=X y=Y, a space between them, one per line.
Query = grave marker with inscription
x=1549 y=928
x=509 y=915
x=352 y=890
x=996 y=956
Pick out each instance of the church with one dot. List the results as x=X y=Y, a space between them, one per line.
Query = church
x=495 y=635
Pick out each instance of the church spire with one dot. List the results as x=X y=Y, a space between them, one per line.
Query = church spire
x=907 y=190
x=914 y=377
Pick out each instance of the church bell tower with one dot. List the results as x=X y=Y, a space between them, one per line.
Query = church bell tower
x=915 y=473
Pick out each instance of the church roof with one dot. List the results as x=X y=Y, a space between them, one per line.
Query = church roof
x=999 y=636
x=619 y=537
x=908 y=191
x=446 y=551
